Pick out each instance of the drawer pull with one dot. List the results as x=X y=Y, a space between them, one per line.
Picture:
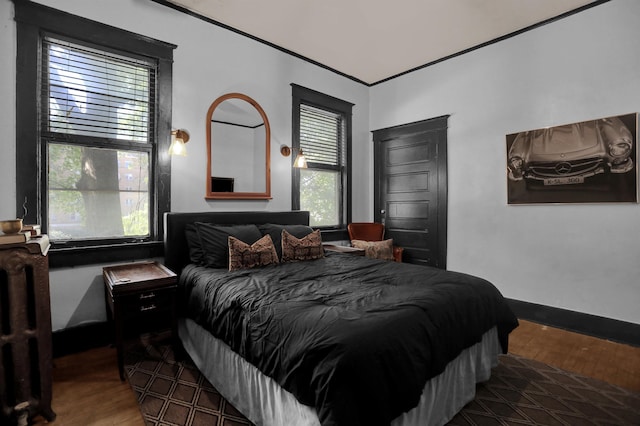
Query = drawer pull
x=147 y=296
x=147 y=308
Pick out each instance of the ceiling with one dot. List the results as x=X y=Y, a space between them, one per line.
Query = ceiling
x=373 y=40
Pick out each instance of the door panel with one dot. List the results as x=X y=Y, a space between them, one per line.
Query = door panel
x=400 y=210
x=408 y=240
x=407 y=182
x=407 y=154
x=411 y=188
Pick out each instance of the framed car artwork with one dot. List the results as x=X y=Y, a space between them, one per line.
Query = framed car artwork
x=592 y=161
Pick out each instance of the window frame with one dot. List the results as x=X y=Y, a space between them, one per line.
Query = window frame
x=34 y=22
x=305 y=96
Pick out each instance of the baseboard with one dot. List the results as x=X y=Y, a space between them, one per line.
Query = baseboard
x=592 y=325
x=81 y=338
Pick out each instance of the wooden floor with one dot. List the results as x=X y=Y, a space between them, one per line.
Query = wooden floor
x=87 y=390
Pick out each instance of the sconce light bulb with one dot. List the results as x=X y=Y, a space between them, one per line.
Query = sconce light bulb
x=301 y=161
x=178 y=139
x=179 y=148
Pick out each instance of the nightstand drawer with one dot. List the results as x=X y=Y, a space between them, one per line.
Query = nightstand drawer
x=146 y=302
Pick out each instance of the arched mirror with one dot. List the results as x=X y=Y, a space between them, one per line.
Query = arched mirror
x=238 y=147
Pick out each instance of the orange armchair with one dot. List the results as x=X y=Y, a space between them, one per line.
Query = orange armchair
x=371 y=231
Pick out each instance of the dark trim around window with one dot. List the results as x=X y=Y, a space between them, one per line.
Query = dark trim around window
x=33 y=20
x=303 y=95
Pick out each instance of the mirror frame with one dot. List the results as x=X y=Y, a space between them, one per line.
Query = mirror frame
x=266 y=195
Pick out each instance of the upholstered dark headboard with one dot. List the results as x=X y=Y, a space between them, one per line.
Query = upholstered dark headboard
x=176 y=250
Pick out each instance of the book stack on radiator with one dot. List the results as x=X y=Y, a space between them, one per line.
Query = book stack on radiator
x=24 y=234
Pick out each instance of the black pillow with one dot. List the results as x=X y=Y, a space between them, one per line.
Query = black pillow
x=196 y=254
x=214 y=240
x=275 y=231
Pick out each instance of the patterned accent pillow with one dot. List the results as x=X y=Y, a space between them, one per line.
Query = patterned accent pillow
x=305 y=248
x=243 y=255
x=375 y=249
x=275 y=230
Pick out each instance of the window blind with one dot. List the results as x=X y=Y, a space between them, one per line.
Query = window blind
x=97 y=93
x=321 y=136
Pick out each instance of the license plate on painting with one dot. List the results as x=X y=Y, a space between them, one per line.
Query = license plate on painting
x=569 y=180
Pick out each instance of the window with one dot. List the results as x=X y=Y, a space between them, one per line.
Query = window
x=322 y=129
x=91 y=135
x=98 y=120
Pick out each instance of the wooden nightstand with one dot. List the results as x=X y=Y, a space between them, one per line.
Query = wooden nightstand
x=141 y=297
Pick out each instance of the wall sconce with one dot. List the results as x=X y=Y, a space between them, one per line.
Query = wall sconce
x=300 y=161
x=179 y=138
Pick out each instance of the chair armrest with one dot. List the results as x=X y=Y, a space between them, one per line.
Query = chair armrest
x=397 y=253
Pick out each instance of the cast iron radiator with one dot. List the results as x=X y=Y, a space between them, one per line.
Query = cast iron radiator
x=25 y=334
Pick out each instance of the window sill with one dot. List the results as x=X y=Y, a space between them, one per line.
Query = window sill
x=60 y=257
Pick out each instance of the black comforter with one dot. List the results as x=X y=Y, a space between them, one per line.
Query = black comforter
x=353 y=337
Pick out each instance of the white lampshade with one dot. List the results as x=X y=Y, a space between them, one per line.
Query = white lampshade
x=301 y=161
x=178 y=140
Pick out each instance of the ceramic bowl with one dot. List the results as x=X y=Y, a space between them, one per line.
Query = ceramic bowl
x=12 y=226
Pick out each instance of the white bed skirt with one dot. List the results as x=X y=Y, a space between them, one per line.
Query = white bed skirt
x=265 y=403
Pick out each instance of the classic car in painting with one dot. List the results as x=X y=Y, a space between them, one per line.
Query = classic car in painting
x=566 y=155
x=574 y=156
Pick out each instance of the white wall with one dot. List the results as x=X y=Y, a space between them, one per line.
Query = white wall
x=579 y=257
x=208 y=62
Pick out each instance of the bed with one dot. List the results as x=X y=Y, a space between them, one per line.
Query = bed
x=338 y=340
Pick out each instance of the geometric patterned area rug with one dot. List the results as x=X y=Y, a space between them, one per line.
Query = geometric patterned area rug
x=172 y=392
x=521 y=391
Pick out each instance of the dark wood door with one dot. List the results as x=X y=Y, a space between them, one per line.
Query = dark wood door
x=411 y=188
